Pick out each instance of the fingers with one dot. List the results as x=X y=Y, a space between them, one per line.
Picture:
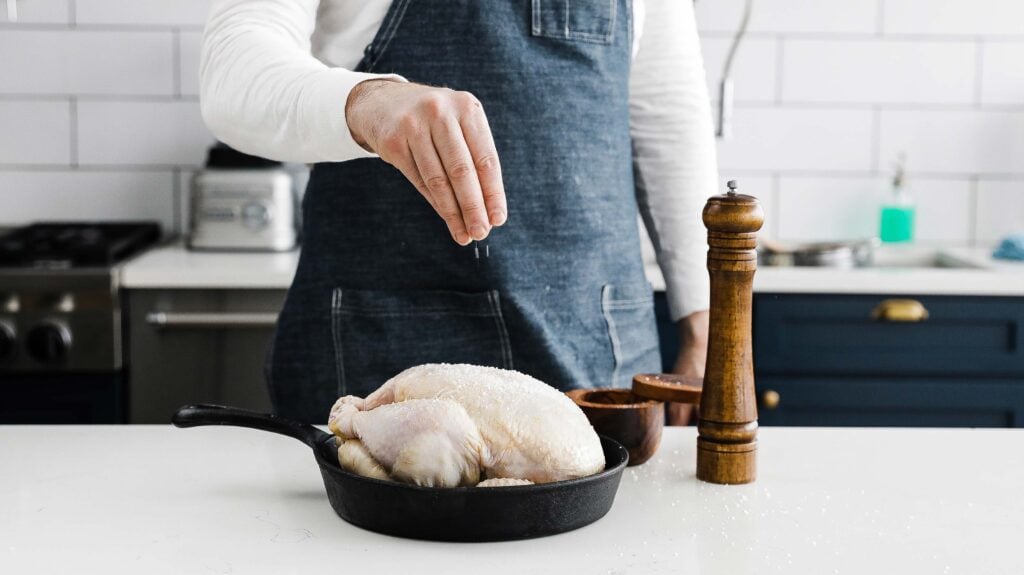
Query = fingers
x=461 y=170
x=419 y=163
x=439 y=188
x=477 y=134
x=441 y=142
x=407 y=165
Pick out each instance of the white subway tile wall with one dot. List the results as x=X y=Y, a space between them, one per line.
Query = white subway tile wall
x=188 y=66
x=755 y=64
x=128 y=133
x=189 y=13
x=86 y=62
x=1000 y=205
x=956 y=142
x=99 y=111
x=1002 y=75
x=847 y=207
x=114 y=196
x=878 y=71
x=839 y=90
x=953 y=17
x=35 y=133
x=827 y=208
x=43 y=12
x=779 y=138
x=812 y=16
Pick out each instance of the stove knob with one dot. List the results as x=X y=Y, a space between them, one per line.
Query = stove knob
x=48 y=343
x=8 y=342
x=10 y=303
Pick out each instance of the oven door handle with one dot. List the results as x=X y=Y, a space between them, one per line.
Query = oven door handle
x=183 y=320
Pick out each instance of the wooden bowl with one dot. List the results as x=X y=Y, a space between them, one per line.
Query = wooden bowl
x=631 y=420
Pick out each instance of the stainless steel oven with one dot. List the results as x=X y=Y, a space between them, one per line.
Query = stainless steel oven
x=63 y=353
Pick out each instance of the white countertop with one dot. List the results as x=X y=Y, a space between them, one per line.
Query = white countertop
x=173 y=267
x=154 y=499
x=906 y=281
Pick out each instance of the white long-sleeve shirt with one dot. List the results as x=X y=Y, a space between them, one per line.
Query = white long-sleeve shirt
x=275 y=76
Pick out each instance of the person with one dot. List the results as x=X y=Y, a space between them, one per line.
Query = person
x=479 y=167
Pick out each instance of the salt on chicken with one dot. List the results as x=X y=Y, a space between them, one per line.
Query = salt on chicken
x=443 y=425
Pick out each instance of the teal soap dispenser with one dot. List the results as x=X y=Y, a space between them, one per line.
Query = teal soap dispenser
x=897 y=223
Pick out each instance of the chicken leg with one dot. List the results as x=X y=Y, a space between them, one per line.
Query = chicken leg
x=428 y=442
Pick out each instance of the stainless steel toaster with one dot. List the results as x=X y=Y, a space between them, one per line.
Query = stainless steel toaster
x=243 y=203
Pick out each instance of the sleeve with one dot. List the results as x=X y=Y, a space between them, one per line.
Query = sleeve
x=674 y=157
x=263 y=92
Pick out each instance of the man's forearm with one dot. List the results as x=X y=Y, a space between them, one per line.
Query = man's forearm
x=693 y=354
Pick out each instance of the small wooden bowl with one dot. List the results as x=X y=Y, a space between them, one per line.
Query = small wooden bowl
x=631 y=420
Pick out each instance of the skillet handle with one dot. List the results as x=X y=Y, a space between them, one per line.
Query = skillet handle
x=205 y=414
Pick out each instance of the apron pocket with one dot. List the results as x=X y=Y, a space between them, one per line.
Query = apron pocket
x=629 y=312
x=582 y=20
x=377 y=334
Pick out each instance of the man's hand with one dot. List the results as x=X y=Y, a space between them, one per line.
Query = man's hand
x=693 y=354
x=440 y=140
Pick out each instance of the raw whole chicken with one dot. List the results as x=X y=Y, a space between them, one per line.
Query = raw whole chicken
x=443 y=425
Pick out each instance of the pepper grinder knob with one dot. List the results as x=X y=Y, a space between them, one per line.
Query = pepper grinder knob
x=727 y=429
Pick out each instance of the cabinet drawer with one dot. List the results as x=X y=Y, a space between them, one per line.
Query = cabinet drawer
x=837 y=334
x=890 y=402
x=198 y=346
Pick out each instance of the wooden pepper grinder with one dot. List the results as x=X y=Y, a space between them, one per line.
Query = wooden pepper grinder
x=727 y=430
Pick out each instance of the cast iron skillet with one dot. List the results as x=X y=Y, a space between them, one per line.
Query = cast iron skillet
x=453 y=514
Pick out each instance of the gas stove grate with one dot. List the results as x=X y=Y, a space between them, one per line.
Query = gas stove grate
x=60 y=245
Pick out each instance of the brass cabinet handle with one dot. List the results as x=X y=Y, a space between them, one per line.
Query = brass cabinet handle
x=770 y=399
x=900 y=310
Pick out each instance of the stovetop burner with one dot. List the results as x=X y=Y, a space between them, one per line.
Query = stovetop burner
x=74 y=245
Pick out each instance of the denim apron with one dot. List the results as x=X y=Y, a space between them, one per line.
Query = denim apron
x=558 y=292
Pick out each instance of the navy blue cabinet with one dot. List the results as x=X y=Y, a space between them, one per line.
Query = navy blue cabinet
x=891 y=401
x=827 y=360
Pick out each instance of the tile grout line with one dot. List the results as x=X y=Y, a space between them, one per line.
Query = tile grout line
x=965 y=106
x=49 y=26
x=79 y=167
x=866 y=173
x=73 y=130
x=739 y=172
x=176 y=200
x=876 y=139
x=871 y=36
x=93 y=97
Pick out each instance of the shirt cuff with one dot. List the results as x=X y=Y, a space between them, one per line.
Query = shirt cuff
x=329 y=129
x=687 y=286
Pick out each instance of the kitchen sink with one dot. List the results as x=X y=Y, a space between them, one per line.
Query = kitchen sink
x=920 y=257
x=873 y=254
